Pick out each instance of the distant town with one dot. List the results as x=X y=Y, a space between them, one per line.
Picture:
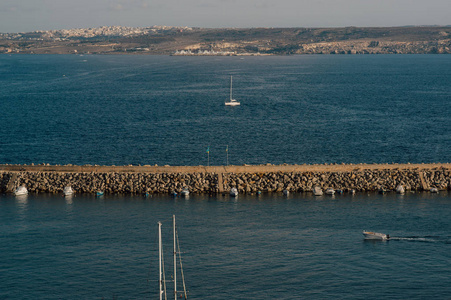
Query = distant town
x=169 y=40
x=87 y=33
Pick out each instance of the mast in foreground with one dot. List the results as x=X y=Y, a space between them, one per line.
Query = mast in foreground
x=175 y=258
x=162 y=279
x=160 y=258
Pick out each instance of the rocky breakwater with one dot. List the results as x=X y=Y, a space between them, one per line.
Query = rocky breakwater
x=220 y=179
x=358 y=180
x=112 y=183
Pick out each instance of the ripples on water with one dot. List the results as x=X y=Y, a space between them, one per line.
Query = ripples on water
x=266 y=247
x=166 y=110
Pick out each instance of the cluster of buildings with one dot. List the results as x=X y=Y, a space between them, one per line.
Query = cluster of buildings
x=86 y=33
x=203 y=52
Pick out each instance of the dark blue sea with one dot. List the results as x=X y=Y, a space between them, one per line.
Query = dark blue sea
x=266 y=247
x=167 y=110
x=120 y=110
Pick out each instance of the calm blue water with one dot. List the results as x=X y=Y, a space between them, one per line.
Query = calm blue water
x=62 y=109
x=251 y=248
x=168 y=110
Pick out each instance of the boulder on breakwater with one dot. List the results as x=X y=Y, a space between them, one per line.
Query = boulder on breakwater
x=248 y=179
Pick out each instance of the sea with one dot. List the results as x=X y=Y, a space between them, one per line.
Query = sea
x=168 y=110
x=252 y=247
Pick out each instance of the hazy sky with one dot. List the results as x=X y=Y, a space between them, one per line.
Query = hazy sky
x=30 y=15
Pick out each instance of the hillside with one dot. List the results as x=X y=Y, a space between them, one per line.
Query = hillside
x=231 y=41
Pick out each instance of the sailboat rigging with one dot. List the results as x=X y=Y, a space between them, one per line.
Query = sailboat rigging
x=232 y=102
x=162 y=279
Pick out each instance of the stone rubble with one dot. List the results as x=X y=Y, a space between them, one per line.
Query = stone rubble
x=204 y=182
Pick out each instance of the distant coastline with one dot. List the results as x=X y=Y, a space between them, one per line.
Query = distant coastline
x=166 y=40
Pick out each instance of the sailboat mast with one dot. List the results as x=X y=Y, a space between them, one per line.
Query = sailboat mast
x=230 y=87
x=160 y=252
x=175 y=259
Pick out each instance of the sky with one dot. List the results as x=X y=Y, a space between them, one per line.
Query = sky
x=31 y=15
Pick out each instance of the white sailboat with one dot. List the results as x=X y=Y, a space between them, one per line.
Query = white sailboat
x=232 y=102
x=162 y=277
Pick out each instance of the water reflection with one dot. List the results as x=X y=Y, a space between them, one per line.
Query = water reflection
x=22 y=208
x=22 y=201
x=69 y=199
